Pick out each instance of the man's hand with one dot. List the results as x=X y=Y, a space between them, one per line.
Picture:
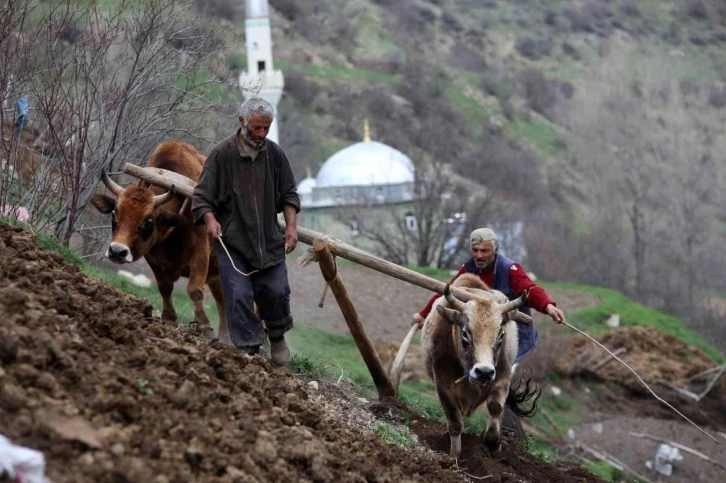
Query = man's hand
x=418 y=319
x=214 y=229
x=290 y=239
x=556 y=314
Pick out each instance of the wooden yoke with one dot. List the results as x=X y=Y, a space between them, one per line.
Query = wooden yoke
x=365 y=346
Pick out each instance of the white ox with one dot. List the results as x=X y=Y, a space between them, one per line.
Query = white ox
x=468 y=351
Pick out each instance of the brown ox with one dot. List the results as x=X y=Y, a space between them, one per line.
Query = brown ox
x=468 y=350
x=146 y=222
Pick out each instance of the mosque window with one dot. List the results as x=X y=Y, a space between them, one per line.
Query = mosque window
x=410 y=220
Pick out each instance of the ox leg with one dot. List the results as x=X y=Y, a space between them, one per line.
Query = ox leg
x=215 y=286
x=198 y=269
x=495 y=407
x=454 y=419
x=168 y=312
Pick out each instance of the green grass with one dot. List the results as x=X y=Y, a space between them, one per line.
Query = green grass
x=475 y=113
x=592 y=319
x=536 y=131
x=400 y=436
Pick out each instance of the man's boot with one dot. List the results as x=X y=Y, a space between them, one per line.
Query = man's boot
x=279 y=351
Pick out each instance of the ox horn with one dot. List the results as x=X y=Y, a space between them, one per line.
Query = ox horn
x=161 y=199
x=514 y=304
x=456 y=303
x=112 y=186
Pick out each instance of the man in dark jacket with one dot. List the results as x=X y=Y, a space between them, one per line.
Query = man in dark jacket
x=507 y=276
x=246 y=181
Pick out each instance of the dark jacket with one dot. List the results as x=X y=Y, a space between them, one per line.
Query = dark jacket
x=245 y=196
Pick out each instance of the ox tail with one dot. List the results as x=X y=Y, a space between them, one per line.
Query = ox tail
x=521 y=392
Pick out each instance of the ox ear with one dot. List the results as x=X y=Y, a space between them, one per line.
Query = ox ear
x=169 y=219
x=103 y=203
x=518 y=316
x=451 y=316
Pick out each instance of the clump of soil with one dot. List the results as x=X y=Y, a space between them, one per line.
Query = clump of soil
x=110 y=394
x=655 y=355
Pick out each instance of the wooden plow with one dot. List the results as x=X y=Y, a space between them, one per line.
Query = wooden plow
x=325 y=249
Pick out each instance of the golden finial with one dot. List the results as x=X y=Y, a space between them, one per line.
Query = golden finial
x=310 y=174
x=366 y=131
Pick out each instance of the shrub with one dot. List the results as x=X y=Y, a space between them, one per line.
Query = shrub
x=464 y=57
x=300 y=88
x=697 y=39
x=717 y=97
x=541 y=94
x=450 y=22
x=581 y=20
x=550 y=18
x=571 y=50
x=696 y=9
x=630 y=8
x=532 y=48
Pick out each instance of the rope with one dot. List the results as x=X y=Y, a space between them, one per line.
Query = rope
x=310 y=255
x=232 y=261
x=640 y=379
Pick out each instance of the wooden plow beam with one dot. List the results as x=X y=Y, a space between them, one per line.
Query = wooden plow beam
x=326 y=248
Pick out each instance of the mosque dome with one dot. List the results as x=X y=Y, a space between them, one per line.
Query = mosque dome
x=368 y=163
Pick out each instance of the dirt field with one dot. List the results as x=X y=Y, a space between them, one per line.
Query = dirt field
x=109 y=394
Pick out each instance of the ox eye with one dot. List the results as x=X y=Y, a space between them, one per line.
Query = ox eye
x=465 y=336
x=147 y=224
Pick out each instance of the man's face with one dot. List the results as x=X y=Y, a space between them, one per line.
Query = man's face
x=484 y=253
x=255 y=131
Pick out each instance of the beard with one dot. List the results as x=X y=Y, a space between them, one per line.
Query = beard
x=253 y=141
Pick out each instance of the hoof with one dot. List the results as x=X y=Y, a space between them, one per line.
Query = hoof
x=492 y=440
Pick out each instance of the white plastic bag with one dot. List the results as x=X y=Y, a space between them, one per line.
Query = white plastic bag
x=24 y=464
x=663 y=458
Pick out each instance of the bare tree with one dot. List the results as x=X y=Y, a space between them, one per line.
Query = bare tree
x=131 y=77
x=646 y=148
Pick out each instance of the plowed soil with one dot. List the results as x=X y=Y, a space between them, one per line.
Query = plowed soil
x=110 y=394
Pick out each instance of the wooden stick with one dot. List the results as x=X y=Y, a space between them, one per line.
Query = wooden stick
x=704 y=373
x=604 y=361
x=554 y=425
x=640 y=379
x=365 y=346
x=336 y=247
x=681 y=447
x=680 y=390
x=398 y=361
x=713 y=381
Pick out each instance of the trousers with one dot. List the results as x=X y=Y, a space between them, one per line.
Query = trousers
x=269 y=288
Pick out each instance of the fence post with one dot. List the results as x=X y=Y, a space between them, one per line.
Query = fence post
x=365 y=346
